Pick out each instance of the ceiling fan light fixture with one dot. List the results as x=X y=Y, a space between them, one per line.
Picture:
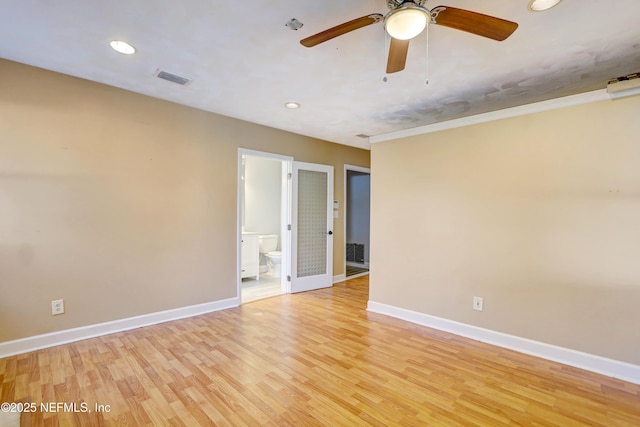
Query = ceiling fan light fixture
x=407 y=21
x=540 y=5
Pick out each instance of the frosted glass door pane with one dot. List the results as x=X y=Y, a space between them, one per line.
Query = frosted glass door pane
x=312 y=223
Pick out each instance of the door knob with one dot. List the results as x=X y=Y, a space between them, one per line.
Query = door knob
x=329 y=232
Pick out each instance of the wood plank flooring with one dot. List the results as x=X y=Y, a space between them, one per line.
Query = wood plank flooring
x=312 y=359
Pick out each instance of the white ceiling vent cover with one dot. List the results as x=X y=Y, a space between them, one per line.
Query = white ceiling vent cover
x=173 y=78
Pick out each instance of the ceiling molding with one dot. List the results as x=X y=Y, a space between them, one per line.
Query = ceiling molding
x=522 y=110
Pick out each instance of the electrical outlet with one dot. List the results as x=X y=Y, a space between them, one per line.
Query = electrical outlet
x=57 y=307
x=477 y=303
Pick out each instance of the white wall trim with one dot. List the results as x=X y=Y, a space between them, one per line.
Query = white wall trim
x=357 y=264
x=340 y=278
x=601 y=365
x=256 y=153
x=355 y=276
x=37 y=342
x=537 y=107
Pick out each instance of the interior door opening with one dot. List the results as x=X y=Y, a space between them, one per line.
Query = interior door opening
x=264 y=194
x=357 y=181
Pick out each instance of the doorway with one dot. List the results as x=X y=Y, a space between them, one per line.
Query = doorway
x=357 y=181
x=264 y=200
x=285 y=225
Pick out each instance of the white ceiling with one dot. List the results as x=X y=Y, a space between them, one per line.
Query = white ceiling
x=245 y=63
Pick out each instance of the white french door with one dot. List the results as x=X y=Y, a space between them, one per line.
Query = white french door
x=312 y=227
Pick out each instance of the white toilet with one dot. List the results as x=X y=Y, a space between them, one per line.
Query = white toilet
x=268 y=246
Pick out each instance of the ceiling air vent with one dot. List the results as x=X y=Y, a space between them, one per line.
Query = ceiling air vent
x=173 y=78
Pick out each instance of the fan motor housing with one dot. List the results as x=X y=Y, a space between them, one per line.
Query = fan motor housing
x=394 y=4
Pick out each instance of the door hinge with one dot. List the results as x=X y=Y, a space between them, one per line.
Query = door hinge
x=289 y=227
x=289 y=175
x=288 y=278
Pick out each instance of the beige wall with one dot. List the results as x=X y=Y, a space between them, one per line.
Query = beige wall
x=539 y=215
x=119 y=203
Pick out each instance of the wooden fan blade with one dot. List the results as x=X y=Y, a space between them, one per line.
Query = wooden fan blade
x=473 y=22
x=397 y=55
x=341 y=29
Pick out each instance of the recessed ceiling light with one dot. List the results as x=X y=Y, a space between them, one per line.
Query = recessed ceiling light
x=540 y=5
x=122 y=47
x=292 y=105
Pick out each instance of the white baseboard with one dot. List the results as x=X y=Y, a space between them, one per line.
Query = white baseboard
x=37 y=342
x=339 y=278
x=358 y=264
x=601 y=365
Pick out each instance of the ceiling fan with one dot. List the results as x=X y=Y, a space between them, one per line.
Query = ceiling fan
x=408 y=18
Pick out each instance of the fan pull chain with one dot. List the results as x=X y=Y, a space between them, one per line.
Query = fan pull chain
x=385 y=54
x=427 y=56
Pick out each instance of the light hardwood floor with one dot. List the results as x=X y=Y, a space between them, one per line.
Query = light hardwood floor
x=316 y=358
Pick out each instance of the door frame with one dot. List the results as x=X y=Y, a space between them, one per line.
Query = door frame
x=346 y=206
x=285 y=219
